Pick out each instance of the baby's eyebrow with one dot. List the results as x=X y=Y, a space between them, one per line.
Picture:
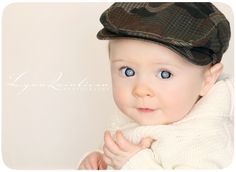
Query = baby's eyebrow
x=153 y=63
x=168 y=64
x=118 y=60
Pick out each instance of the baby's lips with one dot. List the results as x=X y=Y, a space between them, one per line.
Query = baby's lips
x=146 y=109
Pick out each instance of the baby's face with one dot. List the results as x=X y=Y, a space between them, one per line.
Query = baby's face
x=152 y=84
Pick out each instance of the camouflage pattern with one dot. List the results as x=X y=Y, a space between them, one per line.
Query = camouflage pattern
x=197 y=31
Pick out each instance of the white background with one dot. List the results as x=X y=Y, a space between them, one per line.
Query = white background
x=56 y=86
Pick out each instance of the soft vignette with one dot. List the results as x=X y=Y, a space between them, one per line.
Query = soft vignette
x=5 y=3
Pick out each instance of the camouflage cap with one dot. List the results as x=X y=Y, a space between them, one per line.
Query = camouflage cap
x=198 y=32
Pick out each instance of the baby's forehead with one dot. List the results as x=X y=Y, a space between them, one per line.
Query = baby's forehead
x=136 y=48
x=146 y=53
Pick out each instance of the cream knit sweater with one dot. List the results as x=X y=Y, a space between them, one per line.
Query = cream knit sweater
x=202 y=140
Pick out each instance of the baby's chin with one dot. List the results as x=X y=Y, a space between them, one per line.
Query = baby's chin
x=153 y=119
x=147 y=123
x=145 y=120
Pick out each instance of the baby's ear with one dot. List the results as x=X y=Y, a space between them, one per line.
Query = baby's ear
x=210 y=76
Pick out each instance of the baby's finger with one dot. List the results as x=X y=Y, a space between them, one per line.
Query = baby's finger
x=83 y=165
x=123 y=143
x=110 y=144
x=87 y=166
x=93 y=165
x=146 y=142
x=108 y=153
x=107 y=160
x=102 y=165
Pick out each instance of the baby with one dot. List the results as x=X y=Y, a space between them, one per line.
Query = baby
x=166 y=77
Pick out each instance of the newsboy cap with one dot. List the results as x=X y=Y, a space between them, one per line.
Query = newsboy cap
x=198 y=32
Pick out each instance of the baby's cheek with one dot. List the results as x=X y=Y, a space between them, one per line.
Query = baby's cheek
x=121 y=96
x=175 y=108
x=181 y=107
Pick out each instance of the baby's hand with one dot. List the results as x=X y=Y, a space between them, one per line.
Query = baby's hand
x=118 y=152
x=93 y=161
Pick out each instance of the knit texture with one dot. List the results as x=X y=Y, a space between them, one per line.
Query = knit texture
x=202 y=140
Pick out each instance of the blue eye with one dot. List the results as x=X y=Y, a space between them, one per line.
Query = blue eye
x=126 y=71
x=165 y=74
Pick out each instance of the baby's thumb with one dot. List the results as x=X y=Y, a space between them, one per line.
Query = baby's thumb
x=146 y=142
x=102 y=165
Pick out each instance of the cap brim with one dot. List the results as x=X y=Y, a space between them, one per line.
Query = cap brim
x=184 y=52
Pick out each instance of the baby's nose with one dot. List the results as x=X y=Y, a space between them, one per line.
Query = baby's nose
x=142 y=91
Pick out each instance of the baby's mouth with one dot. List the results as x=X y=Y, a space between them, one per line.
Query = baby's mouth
x=146 y=110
